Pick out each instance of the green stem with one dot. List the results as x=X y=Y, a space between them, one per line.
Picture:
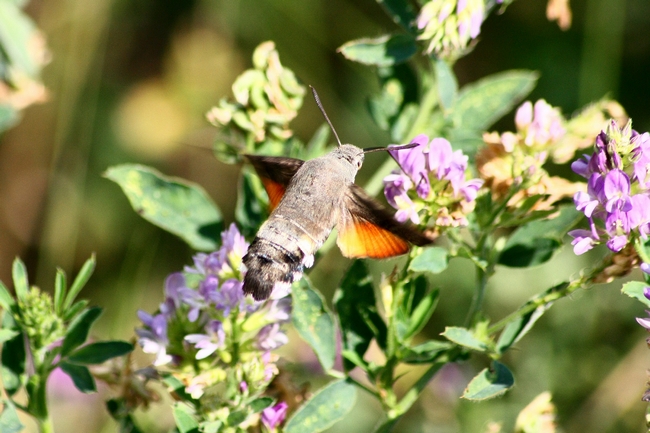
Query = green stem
x=552 y=294
x=45 y=425
x=479 y=295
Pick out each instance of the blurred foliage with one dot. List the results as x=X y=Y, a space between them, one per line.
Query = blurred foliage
x=131 y=81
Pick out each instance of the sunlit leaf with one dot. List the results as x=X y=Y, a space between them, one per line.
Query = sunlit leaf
x=485 y=101
x=386 y=50
x=9 y=421
x=314 y=322
x=634 y=289
x=180 y=207
x=490 y=383
x=327 y=406
x=464 y=337
x=447 y=83
x=432 y=260
x=185 y=419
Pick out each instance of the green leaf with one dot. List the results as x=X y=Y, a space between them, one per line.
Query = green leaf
x=422 y=313
x=634 y=289
x=425 y=353
x=401 y=11
x=9 y=421
x=16 y=33
x=7 y=334
x=72 y=312
x=80 y=376
x=180 y=207
x=447 y=83
x=326 y=407
x=385 y=106
x=250 y=211
x=6 y=300
x=79 y=329
x=185 y=419
x=175 y=385
x=386 y=50
x=535 y=243
x=259 y=404
x=237 y=417
x=60 y=290
x=515 y=330
x=80 y=281
x=485 y=101
x=432 y=260
x=19 y=275
x=357 y=310
x=314 y=322
x=101 y=351
x=489 y=383
x=464 y=337
x=13 y=358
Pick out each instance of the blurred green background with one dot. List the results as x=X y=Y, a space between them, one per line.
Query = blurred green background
x=130 y=81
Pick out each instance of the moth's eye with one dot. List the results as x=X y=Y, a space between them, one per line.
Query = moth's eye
x=359 y=164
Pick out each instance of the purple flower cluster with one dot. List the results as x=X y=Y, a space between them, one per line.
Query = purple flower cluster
x=436 y=174
x=449 y=25
x=205 y=315
x=617 y=200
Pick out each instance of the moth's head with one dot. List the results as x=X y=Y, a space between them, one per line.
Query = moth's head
x=351 y=154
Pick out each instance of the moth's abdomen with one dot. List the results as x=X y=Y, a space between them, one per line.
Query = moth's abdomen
x=269 y=266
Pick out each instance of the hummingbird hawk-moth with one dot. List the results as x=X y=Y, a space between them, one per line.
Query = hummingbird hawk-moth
x=307 y=199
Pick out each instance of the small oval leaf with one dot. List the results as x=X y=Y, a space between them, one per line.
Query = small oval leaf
x=432 y=260
x=80 y=376
x=314 y=322
x=485 y=101
x=326 y=407
x=387 y=50
x=464 y=337
x=79 y=329
x=634 y=289
x=185 y=420
x=490 y=383
x=96 y=353
x=180 y=207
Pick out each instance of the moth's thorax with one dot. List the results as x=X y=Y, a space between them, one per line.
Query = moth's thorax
x=350 y=154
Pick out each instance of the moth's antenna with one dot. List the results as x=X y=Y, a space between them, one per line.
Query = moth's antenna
x=322 y=110
x=400 y=147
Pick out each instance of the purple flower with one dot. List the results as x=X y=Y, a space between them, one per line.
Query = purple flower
x=154 y=340
x=583 y=241
x=173 y=285
x=541 y=124
x=229 y=296
x=422 y=165
x=641 y=156
x=615 y=213
x=271 y=337
x=273 y=416
x=412 y=163
x=208 y=343
x=617 y=189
